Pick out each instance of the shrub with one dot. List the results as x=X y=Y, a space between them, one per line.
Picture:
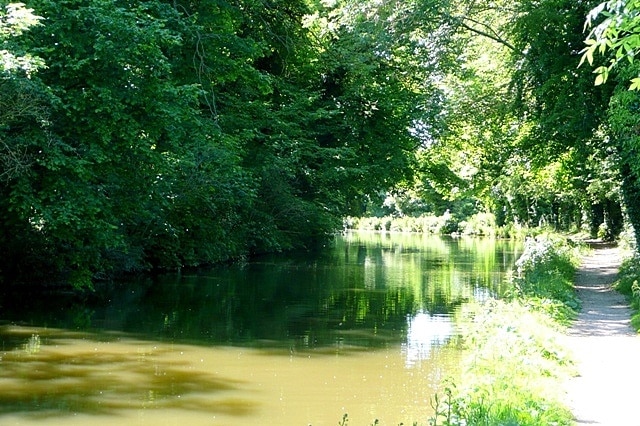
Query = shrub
x=628 y=275
x=544 y=277
x=430 y=224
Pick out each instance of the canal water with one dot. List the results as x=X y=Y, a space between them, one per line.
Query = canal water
x=362 y=327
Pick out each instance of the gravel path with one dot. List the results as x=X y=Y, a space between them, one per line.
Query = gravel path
x=605 y=347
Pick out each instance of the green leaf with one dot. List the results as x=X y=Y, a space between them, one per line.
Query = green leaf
x=602 y=48
x=601 y=70
x=589 y=55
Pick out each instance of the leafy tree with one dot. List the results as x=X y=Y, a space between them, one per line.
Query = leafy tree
x=623 y=125
x=616 y=38
x=164 y=134
x=565 y=110
x=524 y=128
x=564 y=103
x=381 y=65
x=481 y=128
x=22 y=99
x=617 y=32
x=25 y=106
x=189 y=133
x=128 y=145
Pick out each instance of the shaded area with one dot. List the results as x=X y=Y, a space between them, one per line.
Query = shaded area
x=362 y=292
x=45 y=377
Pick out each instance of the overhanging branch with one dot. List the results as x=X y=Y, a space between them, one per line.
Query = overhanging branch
x=487 y=32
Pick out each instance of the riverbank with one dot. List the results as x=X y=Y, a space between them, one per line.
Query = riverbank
x=604 y=346
x=514 y=354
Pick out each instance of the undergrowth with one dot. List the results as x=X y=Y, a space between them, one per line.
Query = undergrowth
x=479 y=224
x=543 y=278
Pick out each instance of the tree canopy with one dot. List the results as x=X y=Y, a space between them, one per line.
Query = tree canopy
x=157 y=135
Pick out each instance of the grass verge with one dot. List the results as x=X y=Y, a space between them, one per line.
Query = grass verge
x=515 y=361
x=628 y=283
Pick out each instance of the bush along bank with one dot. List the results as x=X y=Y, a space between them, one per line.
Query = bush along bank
x=628 y=283
x=515 y=362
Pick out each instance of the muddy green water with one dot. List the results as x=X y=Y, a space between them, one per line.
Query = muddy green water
x=360 y=327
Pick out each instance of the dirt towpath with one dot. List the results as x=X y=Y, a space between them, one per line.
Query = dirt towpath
x=605 y=347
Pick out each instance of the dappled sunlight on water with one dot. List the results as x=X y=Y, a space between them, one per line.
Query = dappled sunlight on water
x=75 y=378
x=426 y=332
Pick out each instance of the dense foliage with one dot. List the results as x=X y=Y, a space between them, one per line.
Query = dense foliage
x=161 y=134
x=157 y=135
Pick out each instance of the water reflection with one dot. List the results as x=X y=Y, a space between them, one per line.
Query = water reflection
x=358 y=327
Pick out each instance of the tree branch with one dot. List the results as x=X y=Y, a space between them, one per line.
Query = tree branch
x=489 y=32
